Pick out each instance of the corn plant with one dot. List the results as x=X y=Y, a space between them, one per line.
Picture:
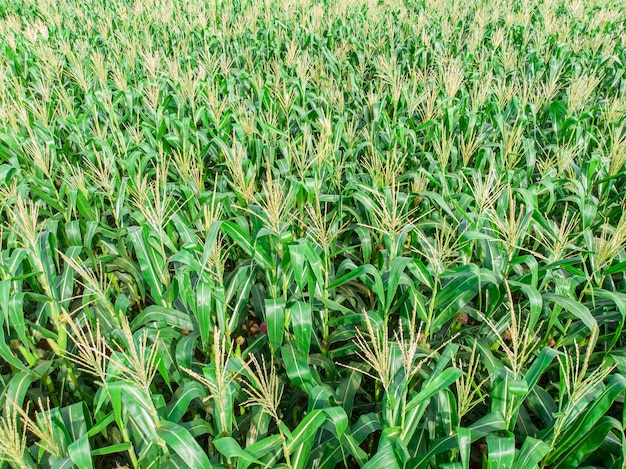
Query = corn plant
x=312 y=234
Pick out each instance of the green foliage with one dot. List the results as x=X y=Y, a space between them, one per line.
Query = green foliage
x=312 y=234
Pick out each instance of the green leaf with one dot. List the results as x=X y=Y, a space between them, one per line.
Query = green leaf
x=131 y=403
x=66 y=282
x=339 y=420
x=587 y=420
x=112 y=449
x=170 y=316
x=530 y=454
x=191 y=390
x=577 y=309
x=77 y=419
x=80 y=452
x=534 y=299
x=275 y=320
x=20 y=382
x=396 y=271
x=347 y=389
x=248 y=245
x=146 y=265
x=586 y=446
x=306 y=430
x=11 y=307
x=619 y=299
x=180 y=440
x=302 y=323
x=463 y=287
x=540 y=363
x=230 y=448
x=416 y=405
x=267 y=446
x=298 y=264
x=464 y=436
x=46 y=261
x=385 y=457
x=501 y=452
x=205 y=319
x=490 y=423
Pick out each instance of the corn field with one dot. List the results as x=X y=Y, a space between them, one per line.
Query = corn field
x=312 y=234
